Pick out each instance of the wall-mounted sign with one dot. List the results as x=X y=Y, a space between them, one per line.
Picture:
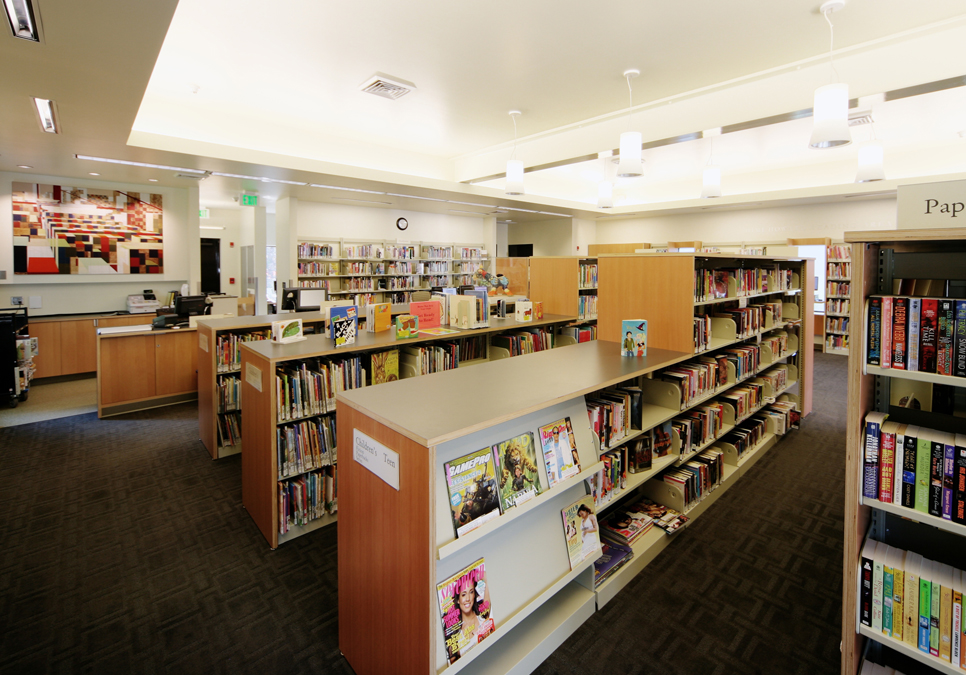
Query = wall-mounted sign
x=249 y=200
x=932 y=205
x=204 y=213
x=376 y=457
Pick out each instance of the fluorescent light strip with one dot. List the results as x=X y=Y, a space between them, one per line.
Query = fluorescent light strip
x=347 y=189
x=286 y=182
x=148 y=166
x=260 y=179
x=364 y=201
x=510 y=208
x=472 y=213
x=483 y=206
x=21 y=18
x=210 y=227
x=547 y=213
x=428 y=199
x=45 y=110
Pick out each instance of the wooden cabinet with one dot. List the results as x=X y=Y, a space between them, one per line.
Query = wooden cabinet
x=127 y=369
x=47 y=361
x=78 y=346
x=69 y=346
x=176 y=363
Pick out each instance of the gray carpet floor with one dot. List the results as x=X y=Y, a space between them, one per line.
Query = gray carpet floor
x=127 y=550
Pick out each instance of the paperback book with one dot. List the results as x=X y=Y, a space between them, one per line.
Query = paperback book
x=465 y=610
x=559 y=450
x=633 y=337
x=517 y=467
x=407 y=327
x=473 y=494
x=344 y=324
x=378 y=317
x=581 y=531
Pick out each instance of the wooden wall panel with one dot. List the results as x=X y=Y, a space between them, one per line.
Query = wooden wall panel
x=385 y=554
x=47 y=361
x=553 y=281
x=131 y=320
x=126 y=369
x=517 y=271
x=594 y=250
x=259 y=494
x=805 y=346
x=78 y=353
x=177 y=362
x=207 y=399
x=657 y=288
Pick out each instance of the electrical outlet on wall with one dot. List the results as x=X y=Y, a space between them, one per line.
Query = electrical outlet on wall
x=16 y=300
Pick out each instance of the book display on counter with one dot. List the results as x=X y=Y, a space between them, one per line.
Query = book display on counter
x=290 y=385
x=905 y=518
x=379 y=271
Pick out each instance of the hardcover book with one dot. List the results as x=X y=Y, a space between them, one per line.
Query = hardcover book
x=874 y=346
x=344 y=323
x=944 y=339
x=949 y=460
x=559 y=450
x=473 y=494
x=910 y=443
x=959 y=481
x=923 y=463
x=886 y=332
x=959 y=343
x=633 y=337
x=523 y=311
x=915 y=307
x=581 y=531
x=865 y=581
x=407 y=327
x=465 y=609
x=518 y=471
x=385 y=366
x=378 y=317
x=887 y=450
x=287 y=331
x=900 y=318
x=928 y=335
x=639 y=454
x=936 y=461
x=662 y=440
x=870 y=479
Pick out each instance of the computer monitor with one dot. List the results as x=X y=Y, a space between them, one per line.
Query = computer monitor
x=290 y=298
x=310 y=300
x=189 y=305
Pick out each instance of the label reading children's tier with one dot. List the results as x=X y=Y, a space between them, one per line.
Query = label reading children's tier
x=376 y=457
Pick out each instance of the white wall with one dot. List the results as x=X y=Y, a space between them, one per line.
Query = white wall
x=77 y=294
x=230 y=219
x=753 y=226
x=549 y=237
x=585 y=234
x=337 y=221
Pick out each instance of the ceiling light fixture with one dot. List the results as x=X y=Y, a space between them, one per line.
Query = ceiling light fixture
x=261 y=179
x=364 y=201
x=346 y=189
x=871 y=162
x=427 y=199
x=93 y=173
x=21 y=17
x=548 y=213
x=631 y=164
x=24 y=166
x=143 y=164
x=711 y=176
x=514 y=167
x=484 y=206
x=830 y=111
x=605 y=189
x=210 y=227
x=47 y=115
x=153 y=180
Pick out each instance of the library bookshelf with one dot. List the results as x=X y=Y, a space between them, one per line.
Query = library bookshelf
x=566 y=285
x=219 y=368
x=838 y=282
x=879 y=258
x=370 y=270
x=260 y=360
x=537 y=605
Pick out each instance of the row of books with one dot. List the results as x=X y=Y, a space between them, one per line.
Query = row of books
x=870 y=668
x=310 y=387
x=835 y=341
x=699 y=426
x=836 y=306
x=613 y=413
x=306 y=498
x=307 y=445
x=842 y=289
x=699 y=377
x=228 y=348
x=837 y=324
x=229 y=429
x=580 y=333
x=777 y=343
x=698 y=477
x=915 y=467
x=363 y=251
x=714 y=284
x=748 y=320
x=486 y=483
x=839 y=271
x=839 y=252
x=611 y=480
x=914 y=600
x=229 y=394
x=318 y=269
x=745 y=398
x=465 y=267
x=527 y=341
x=776 y=377
x=587 y=276
x=309 y=250
x=919 y=334
x=432 y=358
x=702 y=333
x=324 y=284
x=587 y=307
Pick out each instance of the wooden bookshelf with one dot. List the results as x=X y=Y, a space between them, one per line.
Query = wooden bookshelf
x=259 y=405
x=877 y=258
x=838 y=270
x=209 y=375
x=557 y=282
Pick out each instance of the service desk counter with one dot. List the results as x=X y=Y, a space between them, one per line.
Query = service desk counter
x=144 y=369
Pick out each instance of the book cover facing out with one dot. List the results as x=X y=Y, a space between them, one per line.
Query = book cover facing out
x=633 y=337
x=407 y=327
x=874 y=350
x=928 y=334
x=944 y=350
x=465 y=610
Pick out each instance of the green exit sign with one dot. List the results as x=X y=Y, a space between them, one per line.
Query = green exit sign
x=249 y=200
x=204 y=213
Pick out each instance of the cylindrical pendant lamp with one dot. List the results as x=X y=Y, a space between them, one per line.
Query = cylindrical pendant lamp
x=711 y=182
x=630 y=159
x=830 y=117
x=871 y=163
x=514 y=177
x=605 y=195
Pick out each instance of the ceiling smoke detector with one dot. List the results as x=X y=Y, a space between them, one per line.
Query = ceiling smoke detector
x=386 y=86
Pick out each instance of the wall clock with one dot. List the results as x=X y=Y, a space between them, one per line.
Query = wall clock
x=402 y=223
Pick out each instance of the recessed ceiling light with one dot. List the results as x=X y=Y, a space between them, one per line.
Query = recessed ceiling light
x=22 y=19
x=48 y=118
x=144 y=164
x=93 y=173
x=210 y=227
x=24 y=166
x=153 y=180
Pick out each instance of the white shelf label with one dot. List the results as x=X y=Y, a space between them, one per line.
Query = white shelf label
x=376 y=457
x=253 y=376
x=203 y=341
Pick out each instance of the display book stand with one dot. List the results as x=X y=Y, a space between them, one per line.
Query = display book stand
x=259 y=363
x=215 y=371
x=566 y=285
x=380 y=270
x=877 y=259
x=838 y=278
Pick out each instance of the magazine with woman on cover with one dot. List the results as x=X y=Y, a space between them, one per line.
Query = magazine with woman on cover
x=465 y=609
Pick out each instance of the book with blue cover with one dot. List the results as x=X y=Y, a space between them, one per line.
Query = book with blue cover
x=633 y=337
x=343 y=324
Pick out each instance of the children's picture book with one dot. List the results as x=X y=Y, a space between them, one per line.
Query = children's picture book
x=581 y=531
x=662 y=440
x=407 y=326
x=633 y=337
x=385 y=366
x=465 y=609
x=559 y=450
x=287 y=331
x=537 y=310
x=343 y=322
x=438 y=331
x=473 y=494
x=518 y=471
x=378 y=317
x=429 y=313
x=523 y=311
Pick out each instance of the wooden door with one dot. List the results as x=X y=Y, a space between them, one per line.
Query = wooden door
x=78 y=346
x=126 y=371
x=47 y=361
x=176 y=359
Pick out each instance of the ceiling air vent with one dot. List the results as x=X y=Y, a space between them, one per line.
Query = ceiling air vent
x=386 y=86
x=193 y=176
x=860 y=117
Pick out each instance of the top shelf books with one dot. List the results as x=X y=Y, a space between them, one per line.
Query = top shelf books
x=721 y=284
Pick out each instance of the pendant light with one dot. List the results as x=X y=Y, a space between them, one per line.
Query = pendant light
x=605 y=189
x=514 y=167
x=830 y=111
x=711 y=176
x=631 y=164
x=871 y=158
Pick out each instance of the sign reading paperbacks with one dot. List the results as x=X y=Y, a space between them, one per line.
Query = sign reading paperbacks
x=932 y=205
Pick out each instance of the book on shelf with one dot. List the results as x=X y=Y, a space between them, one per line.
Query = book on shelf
x=473 y=492
x=344 y=324
x=633 y=337
x=465 y=610
x=640 y=457
x=581 y=531
x=625 y=526
x=523 y=311
x=662 y=439
x=516 y=461
x=378 y=317
x=407 y=327
x=305 y=498
x=384 y=366
x=429 y=313
x=287 y=331
x=306 y=445
x=612 y=557
x=559 y=450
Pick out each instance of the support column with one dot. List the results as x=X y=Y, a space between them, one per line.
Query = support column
x=194 y=241
x=286 y=242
